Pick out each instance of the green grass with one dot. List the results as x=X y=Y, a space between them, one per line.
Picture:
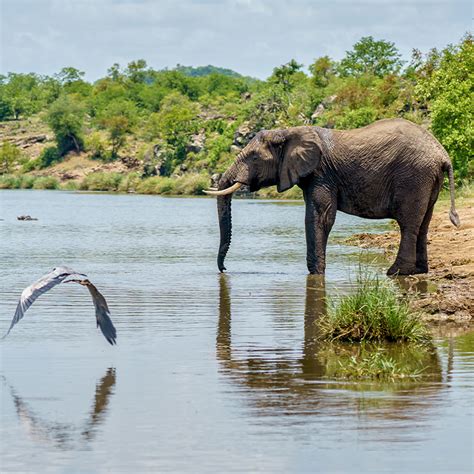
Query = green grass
x=375 y=312
x=9 y=181
x=101 y=182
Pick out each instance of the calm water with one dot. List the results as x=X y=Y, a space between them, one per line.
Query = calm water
x=211 y=373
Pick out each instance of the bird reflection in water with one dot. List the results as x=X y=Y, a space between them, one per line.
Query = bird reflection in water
x=64 y=435
x=301 y=383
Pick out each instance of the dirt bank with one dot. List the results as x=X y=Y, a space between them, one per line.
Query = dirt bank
x=446 y=293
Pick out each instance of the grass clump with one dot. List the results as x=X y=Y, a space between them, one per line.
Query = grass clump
x=46 y=182
x=101 y=182
x=10 y=181
x=376 y=312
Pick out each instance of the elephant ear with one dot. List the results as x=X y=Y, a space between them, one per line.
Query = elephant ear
x=300 y=156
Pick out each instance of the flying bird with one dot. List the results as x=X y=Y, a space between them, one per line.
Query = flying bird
x=55 y=277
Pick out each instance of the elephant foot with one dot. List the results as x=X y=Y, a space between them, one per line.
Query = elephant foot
x=421 y=268
x=404 y=269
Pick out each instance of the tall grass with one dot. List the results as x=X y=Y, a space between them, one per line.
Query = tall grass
x=10 y=181
x=375 y=312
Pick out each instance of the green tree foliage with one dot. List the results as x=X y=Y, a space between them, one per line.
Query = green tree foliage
x=174 y=124
x=66 y=117
x=369 y=56
x=449 y=92
x=141 y=110
x=9 y=156
x=118 y=118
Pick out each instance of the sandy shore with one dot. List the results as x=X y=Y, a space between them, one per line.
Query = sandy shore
x=446 y=293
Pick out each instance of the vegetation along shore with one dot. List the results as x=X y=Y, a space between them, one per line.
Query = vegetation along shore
x=169 y=131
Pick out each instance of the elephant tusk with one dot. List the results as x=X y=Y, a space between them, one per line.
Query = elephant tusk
x=224 y=192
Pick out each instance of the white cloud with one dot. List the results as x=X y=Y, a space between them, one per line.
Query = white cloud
x=250 y=36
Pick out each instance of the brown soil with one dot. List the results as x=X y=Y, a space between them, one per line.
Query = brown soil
x=446 y=293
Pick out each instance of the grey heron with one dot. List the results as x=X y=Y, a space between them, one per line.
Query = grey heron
x=55 y=277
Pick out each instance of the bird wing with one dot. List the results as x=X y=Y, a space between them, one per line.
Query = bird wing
x=102 y=314
x=32 y=292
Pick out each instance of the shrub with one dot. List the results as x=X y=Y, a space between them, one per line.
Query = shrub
x=101 y=182
x=129 y=182
x=191 y=184
x=48 y=157
x=375 y=312
x=65 y=117
x=9 y=155
x=96 y=146
x=9 y=181
x=156 y=185
x=46 y=182
x=27 y=182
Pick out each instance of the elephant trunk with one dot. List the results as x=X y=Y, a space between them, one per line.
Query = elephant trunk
x=225 y=224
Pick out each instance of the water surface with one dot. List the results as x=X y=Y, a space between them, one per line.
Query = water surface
x=215 y=373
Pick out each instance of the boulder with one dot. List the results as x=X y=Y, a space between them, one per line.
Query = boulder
x=197 y=142
x=243 y=135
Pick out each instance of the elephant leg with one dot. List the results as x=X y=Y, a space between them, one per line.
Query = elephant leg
x=405 y=262
x=320 y=215
x=422 y=243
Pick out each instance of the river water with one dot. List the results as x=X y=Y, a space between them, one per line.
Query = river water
x=212 y=373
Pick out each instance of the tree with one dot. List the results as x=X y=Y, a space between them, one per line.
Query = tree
x=66 y=117
x=282 y=75
x=369 y=56
x=67 y=75
x=322 y=70
x=118 y=118
x=449 y=92
x=175 y=123
x=137 y=71
x=9 y=155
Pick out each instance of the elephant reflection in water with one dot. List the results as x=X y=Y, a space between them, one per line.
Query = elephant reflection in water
x=276 y=382
x=61 y=435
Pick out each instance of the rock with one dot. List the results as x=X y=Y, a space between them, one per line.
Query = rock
x=130 y=162
x=246 y=96
x=243 y=135
x=321 y=108
x=197 y=142
x=26 y=218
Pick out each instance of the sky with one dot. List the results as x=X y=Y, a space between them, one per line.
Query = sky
x=248 y=36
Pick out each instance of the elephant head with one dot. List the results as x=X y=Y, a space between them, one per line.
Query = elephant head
x=275 y=157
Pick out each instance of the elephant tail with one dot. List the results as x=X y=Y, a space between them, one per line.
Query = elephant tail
x=453 y=215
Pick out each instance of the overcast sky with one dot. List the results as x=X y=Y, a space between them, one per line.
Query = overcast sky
x=249 y=36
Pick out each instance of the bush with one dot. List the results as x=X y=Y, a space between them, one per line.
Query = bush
x=46 y=182
x=48 y=157
x=129 y=182
x=156 y=185
x=374 y=313
x=9 y=155
x=96 y=146
x=9 y=181
x=191 y=184
x=27 y=182
x=101 y=182
x=65 y=117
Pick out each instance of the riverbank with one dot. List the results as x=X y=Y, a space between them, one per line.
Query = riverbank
x=446 y=293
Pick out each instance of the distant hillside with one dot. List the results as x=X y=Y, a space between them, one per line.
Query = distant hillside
x=205 y=71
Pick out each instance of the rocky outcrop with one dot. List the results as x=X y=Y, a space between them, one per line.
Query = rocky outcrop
x=197 y=142
x=26 y=218
x=243 y=135
x=323 y=106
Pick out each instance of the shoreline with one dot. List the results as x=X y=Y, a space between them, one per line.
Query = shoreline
x=445 y=295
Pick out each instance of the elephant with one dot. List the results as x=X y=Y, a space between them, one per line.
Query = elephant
x=391 y=168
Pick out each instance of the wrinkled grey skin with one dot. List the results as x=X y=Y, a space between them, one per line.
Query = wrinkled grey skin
x=389 y=169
